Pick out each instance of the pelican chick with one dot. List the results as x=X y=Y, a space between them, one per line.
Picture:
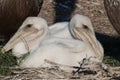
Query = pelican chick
x=62 y=29
x=43 y=46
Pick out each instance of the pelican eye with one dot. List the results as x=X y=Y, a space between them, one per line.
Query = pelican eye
x=85 y=26
x=29 y=25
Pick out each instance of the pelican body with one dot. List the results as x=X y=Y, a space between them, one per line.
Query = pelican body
x=60 y=30
x=35 y=37
x=14 y=12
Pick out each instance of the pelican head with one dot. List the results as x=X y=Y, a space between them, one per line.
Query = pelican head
x=81 y=28
x=30 y=32
x=83 y=23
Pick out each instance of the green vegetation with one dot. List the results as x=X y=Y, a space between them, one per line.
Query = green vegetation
x=111 y=61
x=6 y=60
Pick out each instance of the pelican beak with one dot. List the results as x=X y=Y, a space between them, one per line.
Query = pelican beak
x=89 y=38
x=84 y=35
x=19 y=35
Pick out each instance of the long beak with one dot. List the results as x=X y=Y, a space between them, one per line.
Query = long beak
x=17 y=38
x=89 y=38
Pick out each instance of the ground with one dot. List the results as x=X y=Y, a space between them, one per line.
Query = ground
x=62 y=10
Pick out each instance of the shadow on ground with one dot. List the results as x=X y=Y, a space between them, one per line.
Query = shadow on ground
x=63 y=10
x=111 y=45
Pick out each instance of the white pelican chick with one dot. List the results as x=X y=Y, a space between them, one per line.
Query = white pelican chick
x=62 y=29
x=33 y=36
